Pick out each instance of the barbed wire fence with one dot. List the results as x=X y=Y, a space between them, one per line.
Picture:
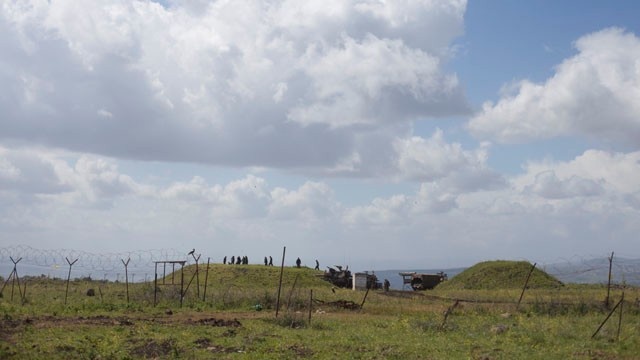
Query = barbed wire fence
x=108 y=265
x=98 y=266
x=625 y=270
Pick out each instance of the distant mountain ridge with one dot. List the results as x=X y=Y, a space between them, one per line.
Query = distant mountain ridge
x=596 y=271
x=593 y=271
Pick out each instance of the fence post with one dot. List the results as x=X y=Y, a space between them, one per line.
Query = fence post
x=68 y=278
x=155 y=286
x=607 y=318
x=181 y=285
x=126 y=276
x=365 y=297
x=14 y=277
x=206 y=278
x=620 y=318
x=606 y=300
x=525 y=285
x=295 y=281
x=284 y=250
x=196 y=259
x=447 y=313
x=310 y=304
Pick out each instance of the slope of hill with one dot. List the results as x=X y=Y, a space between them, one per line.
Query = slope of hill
x=255 y=276
x=500 y=274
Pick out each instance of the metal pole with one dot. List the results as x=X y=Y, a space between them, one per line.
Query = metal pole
x=155 y=286
x=197 y=275
x=606 y=300
x=126 y=276
x=620 y=318
x=606 y=319
x=525 y=284
x=68 y=278
x=24 y=296
x=295 y=281
x=310 y=304
x=181 y=283
x=365 y=297
x=206 y=278
x=13 y=281
x=284 y=250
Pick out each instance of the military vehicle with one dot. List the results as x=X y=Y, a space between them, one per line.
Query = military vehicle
x=422 y=281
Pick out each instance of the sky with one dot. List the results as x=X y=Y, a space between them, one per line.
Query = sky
x=382 y=135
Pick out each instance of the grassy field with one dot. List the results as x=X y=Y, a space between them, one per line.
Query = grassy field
x=224 y=323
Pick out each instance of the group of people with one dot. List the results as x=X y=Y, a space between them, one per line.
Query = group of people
x=240 y=260
x=268 y=261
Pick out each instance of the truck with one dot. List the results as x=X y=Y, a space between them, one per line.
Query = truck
x=422 y=281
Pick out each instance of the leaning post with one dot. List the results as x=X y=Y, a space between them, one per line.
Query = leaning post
x=525 y=285
x=284 y=250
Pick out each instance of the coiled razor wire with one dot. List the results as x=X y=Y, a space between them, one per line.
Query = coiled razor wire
x=99 y=262
x=143 y=261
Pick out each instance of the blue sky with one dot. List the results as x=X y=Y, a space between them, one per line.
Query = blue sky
x=408 y=134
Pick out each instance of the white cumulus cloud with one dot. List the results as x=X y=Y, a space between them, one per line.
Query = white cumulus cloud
x=231 y=83
x=594 y=94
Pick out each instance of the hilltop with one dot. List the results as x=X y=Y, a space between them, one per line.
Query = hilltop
x=500 y=274
x=253 y=276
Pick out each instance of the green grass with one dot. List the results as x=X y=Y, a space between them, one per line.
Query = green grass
x=551 y=323
x=501 y=274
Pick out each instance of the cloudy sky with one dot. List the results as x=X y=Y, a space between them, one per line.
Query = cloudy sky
x=377 y=134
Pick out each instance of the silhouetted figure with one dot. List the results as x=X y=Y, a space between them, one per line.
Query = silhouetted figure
x=270 y=261
x=317 y=265
x=233 y=260
x=224 y=261
x=298 y=262
x=386 y=285
x=238 y=260
x=266 y=262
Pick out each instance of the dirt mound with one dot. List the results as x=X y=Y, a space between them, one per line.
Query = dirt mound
x=500 y=274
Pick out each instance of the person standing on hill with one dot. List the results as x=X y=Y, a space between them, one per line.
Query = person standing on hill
x=317 y=265
x=266 y=262
x=270 y=261
x=298 y=262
